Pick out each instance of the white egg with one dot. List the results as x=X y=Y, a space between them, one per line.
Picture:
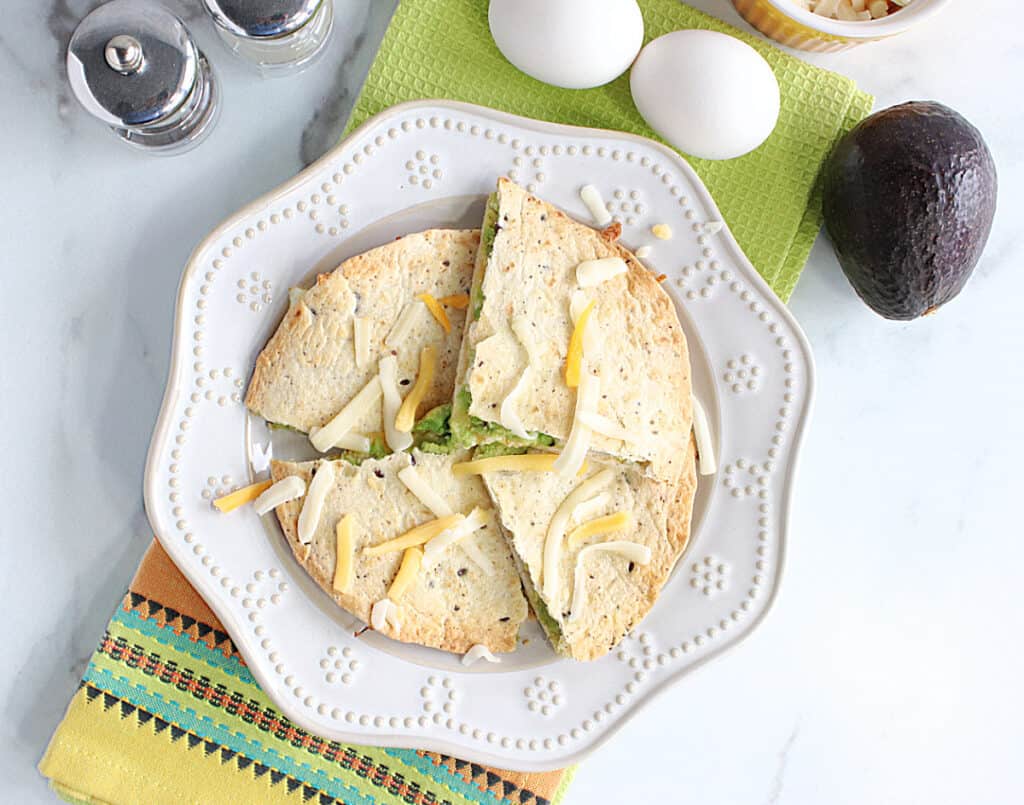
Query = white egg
x=575 y=44
x=707 y=93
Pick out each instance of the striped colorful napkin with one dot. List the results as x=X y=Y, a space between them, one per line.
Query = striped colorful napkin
x=168 y=713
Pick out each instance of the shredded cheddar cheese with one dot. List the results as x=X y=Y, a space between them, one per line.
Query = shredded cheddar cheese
x=528 y=462
x=436 y=310
x=344 y=570
x=459 y=301
x=241 y=496
x=411 y=561
x=609 y=524
x=414 y=536
x=574 y=359
x=407 y=413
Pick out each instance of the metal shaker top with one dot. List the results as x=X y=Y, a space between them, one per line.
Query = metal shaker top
x=262 y=19
x=132 y=63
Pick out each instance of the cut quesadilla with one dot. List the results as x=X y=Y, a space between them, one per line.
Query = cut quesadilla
x=403 y=543
x=594 y=550
x=570 y=341
x=329 y=364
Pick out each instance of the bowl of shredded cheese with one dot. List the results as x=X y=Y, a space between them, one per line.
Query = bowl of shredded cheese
x=832 y=25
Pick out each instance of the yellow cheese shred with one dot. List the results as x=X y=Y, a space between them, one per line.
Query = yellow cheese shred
x=414 y=536
x=436 y=310
x=459 y=301
x=528 y=462
x=575 y=357
x=407 y=413
x=241 y=496
x=411 y=561
x=609 y=524
x=344 y=570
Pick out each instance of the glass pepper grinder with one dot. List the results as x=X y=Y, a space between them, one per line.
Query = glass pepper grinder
x=278 y=36
x=133 y=65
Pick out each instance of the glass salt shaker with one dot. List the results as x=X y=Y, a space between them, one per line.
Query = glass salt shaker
x=278 y=36
x=133 y=65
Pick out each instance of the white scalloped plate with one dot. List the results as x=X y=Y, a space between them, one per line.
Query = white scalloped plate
x=431 y=164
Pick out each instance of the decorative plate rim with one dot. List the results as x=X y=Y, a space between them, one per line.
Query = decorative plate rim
x=179 y=353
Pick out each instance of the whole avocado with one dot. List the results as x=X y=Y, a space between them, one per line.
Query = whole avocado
x=909 y=197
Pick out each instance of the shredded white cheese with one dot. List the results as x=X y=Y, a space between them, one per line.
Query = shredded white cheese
x=463 y=528
x=350 y=441
x=423 y=492
x=591 y=196
x=396 y=439
x=575 y=451
x=713 y=227
x=608 y=427
x=406 y=320
x=556 y=530
x=312 y=506
x=706 y=463
x=361 y=341
x=593 y=272
x=384 y=612
x=509 y=417
x=588 y=509
x=477 y=556
x=633 y=551
x=261 y=456
x=478 y=652
x=643 y=251
x=290 y=488
x=327 y=437
x=523 y=329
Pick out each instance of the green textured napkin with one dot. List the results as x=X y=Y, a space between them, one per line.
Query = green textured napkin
x=770 y=198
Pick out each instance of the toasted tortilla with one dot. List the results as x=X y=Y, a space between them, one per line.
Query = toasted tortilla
x=307 y=372
x=619 y=593
x=641 y=356
x=452 y=605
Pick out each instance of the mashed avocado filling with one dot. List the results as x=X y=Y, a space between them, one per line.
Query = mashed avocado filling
x=540 y=609
x=468 y=430
x=488 y=231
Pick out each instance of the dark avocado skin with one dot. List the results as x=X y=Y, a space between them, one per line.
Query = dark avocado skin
x=909 y=196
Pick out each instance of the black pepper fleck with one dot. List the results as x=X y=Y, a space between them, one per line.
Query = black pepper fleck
x=461 y=571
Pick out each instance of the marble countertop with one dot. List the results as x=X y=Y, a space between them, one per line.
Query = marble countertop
x=890 y=668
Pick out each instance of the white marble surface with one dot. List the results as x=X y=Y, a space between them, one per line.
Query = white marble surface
x=890 y=670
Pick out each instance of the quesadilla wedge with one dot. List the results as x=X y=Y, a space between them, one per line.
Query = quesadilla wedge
x=526 y=356
x=595 y=550
x=463 y=594
x=397 y=299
